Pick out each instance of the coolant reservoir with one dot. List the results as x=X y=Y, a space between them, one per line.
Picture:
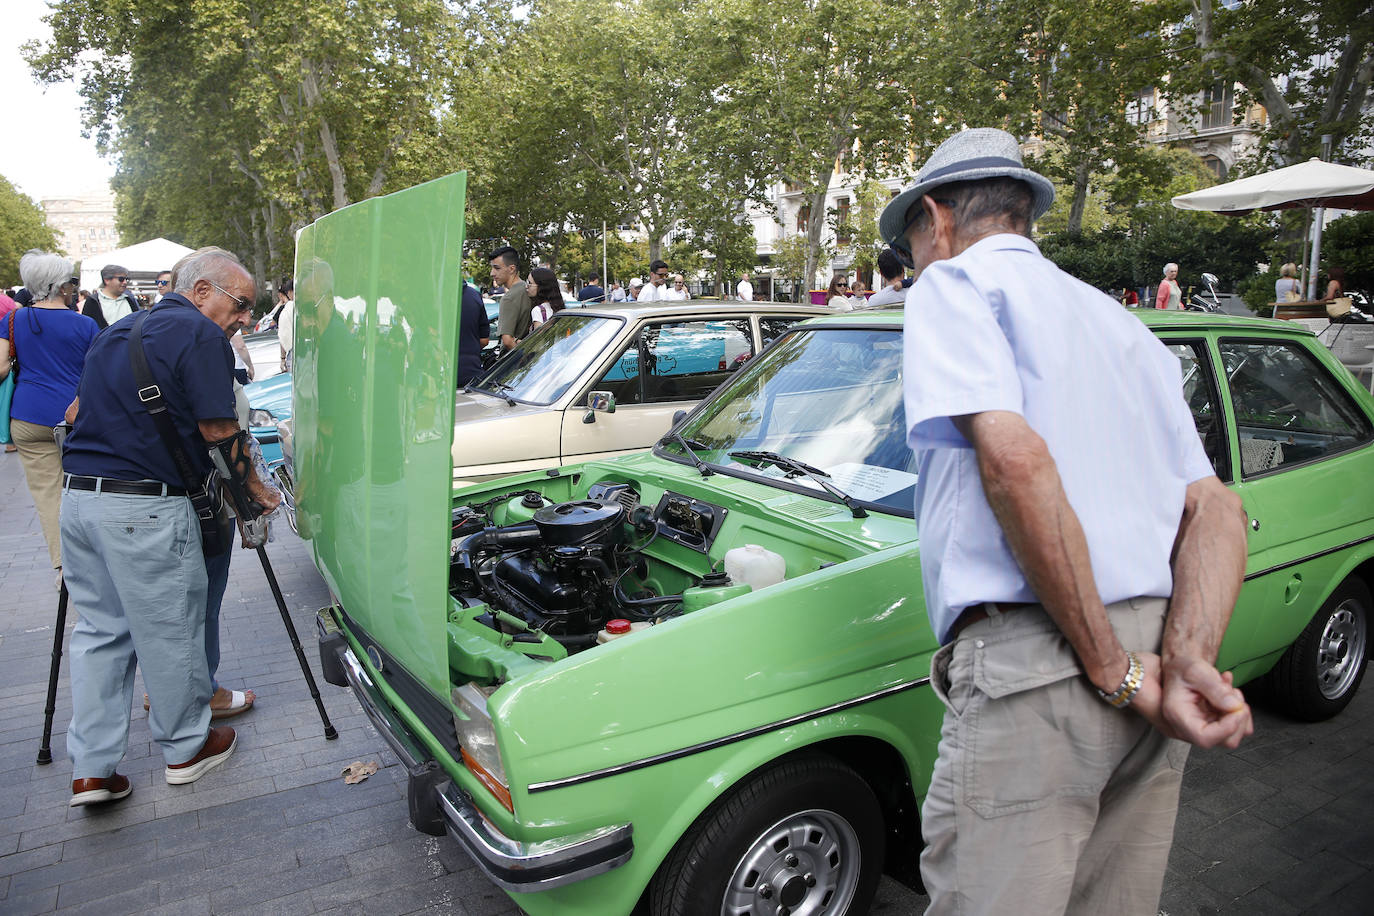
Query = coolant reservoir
x=618 y=627
x=755 y=566
x=714 y=588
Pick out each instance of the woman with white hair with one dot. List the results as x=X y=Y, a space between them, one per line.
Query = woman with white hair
x=46 y=343
x=1170 y=296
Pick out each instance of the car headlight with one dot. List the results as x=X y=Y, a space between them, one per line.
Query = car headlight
x=259 y=417
x=477 y=735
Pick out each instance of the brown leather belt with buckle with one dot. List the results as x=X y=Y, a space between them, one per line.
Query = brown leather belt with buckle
x=977 y=612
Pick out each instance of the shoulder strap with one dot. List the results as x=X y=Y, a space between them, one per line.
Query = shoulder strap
x=150 y=395
x=14 y=352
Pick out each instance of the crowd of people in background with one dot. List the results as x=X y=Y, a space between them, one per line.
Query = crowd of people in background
x=522 y=311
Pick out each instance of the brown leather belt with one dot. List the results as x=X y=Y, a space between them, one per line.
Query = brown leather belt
x=978 y=612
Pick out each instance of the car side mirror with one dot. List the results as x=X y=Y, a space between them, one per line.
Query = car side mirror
x=598 y=402
x=679 y=416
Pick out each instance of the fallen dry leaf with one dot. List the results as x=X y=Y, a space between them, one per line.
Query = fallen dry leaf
x=357 y=771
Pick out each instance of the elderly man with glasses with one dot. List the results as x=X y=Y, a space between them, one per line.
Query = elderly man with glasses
x=112 y=301
x=134 y=563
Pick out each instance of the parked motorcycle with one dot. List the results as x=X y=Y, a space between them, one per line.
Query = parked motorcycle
x=1208 y=302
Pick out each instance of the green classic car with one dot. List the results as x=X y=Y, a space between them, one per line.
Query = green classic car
x=602 y=717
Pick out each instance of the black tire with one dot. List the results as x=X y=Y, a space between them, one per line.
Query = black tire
x=1318 y=676
x=806 y=834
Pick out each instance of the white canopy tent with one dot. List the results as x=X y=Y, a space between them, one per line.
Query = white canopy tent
x=1310 y=184
x=144 y=262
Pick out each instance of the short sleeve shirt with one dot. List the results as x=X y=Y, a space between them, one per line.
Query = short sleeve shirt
x=52 y=345
x=651 y=293
x=999 y=327
x=515 y=312
x=192 y=363
x=473 y=328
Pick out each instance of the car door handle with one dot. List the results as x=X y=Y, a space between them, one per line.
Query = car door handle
x=1292 y=589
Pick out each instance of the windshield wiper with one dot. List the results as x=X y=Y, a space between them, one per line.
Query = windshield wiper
x=687 y=448
x=793 y=467
x=496 y=394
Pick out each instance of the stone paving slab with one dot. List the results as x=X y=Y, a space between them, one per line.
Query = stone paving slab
x=1283 y=825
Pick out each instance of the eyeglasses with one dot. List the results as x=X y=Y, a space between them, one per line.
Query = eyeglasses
x=121 y=279
x=661 y=274
x=163 y=282
x=899 y=244
x=243 y=303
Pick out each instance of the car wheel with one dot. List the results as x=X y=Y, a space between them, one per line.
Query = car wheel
x=1318 y=675
x=803 y=838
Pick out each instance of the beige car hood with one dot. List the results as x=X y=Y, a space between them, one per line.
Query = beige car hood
x=488 y=430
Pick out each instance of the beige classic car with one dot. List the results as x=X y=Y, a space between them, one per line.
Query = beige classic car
x=594 y=382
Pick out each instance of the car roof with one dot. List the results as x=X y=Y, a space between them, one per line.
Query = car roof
x=694 y=307
x=1154 y=319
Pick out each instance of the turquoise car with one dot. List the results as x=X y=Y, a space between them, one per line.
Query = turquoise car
x=269 y=403
x=696 y=680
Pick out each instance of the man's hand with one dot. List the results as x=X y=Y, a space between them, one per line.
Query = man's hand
x=1193 y=702
x=1202 y=706
x=263 y=493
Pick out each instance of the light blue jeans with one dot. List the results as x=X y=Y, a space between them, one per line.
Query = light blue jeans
x=136 y=575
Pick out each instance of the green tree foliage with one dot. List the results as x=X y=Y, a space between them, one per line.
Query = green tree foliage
x=239 y=121
x=1308 y=62
x=1229 y=247
x=23 y=225
x=827 y=87
x=1057 y=69
x=1349 y=243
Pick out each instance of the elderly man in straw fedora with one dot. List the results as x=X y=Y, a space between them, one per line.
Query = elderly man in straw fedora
x=1080 y=560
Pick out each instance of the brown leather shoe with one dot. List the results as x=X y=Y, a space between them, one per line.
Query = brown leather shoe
x=93 y=791
x=219 y=744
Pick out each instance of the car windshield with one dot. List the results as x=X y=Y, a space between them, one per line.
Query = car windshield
x=827 y=398
x=551 y=359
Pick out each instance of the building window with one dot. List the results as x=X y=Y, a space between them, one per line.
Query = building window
x=803 y=218
x=1215 y=166
x=842 y=232
x=1216 y=105
x=1141 y=109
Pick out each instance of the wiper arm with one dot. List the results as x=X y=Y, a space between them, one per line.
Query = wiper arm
x=687 y=448
x=496 y=394
x=793 y=467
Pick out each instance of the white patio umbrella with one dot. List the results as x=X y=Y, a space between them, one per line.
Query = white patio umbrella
x=1310 y=184
x=1313 y=183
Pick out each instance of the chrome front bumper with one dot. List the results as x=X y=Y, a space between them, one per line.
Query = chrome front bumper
x=281 y=476
x=513 y=865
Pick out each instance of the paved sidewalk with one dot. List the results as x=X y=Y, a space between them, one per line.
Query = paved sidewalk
x=1284 y=825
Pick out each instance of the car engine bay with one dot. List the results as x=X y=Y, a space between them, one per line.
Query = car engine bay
x=576 y=571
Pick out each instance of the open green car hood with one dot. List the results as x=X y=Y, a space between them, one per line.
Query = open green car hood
x=378 y=291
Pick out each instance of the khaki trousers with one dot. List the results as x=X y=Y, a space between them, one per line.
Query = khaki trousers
x=42 y=461
x=1045 y=799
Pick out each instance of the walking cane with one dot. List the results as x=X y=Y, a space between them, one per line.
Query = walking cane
x=329 y=733
x=45 y=749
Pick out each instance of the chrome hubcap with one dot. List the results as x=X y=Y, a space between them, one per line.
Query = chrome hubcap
x=1341 y=650
x=807 y=864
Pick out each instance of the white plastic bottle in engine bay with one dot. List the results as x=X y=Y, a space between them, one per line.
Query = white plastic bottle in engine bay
x=619 y=627
x=755 y=566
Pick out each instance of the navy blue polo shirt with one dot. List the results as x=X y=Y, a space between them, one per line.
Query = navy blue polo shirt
x=473 y=328
x=591 y=293
x=190 y=360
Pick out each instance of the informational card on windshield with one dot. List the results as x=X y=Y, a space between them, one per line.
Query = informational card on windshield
x=865 y=482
